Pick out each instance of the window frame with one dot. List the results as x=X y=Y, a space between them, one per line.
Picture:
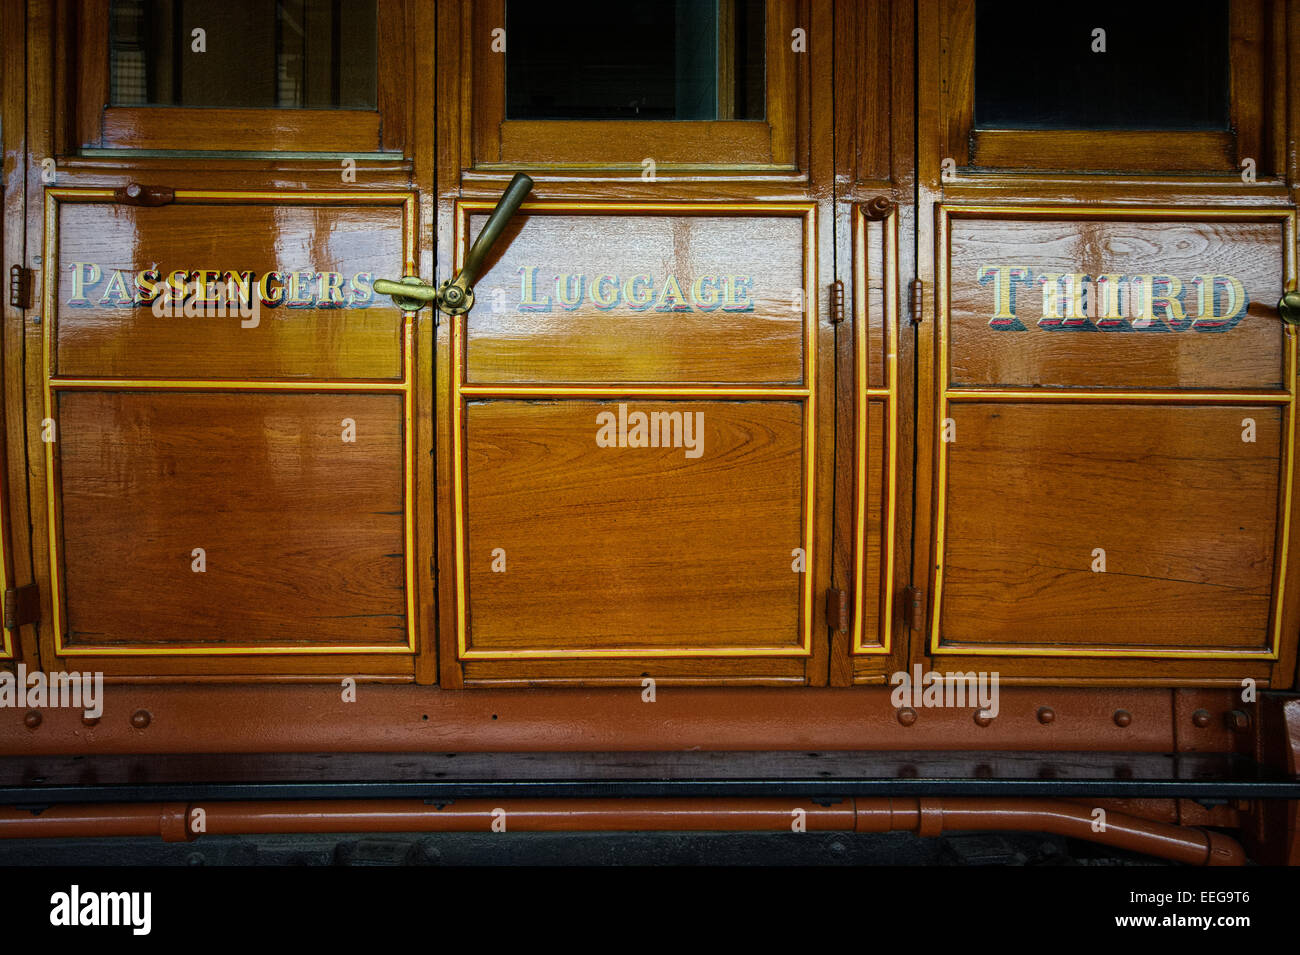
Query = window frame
x=97 y=124
x=770 y=143
x=1254 y=110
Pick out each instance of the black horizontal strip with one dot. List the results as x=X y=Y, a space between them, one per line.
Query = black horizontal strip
x=35 y=797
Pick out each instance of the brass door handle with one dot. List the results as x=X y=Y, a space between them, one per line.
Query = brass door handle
x=1288 y=307
x=409 y=294
x=456 y=296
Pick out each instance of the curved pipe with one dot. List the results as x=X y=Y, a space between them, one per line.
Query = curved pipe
x=930 y=817
x=178 y=822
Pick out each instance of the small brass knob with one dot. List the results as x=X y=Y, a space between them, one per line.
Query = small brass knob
x=1288 y=307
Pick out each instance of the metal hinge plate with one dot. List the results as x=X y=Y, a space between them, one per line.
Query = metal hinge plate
x=20 y=287
x=837 y=302
x=917 y=288
x=914 y=607
x=837 y=610
x=22 y=606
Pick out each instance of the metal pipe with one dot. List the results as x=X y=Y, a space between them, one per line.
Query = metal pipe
x=930 y=817
x=927 y=817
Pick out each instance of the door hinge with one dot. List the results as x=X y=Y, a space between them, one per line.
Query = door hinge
x=22 y=606
x=837 y=610
x=917 y=288
x=20 y=287
x=914 y=607
x=837 y=302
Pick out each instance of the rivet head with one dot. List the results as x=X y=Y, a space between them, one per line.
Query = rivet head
x=1201 y=718
x=32 y=719
x=906 y=715
x=879 y=207
x=1123 y=718
x=90 y=720
x=1237 y=720
x=133 y=190
x=1046 y=715
x=982 y=718
x=140 y=719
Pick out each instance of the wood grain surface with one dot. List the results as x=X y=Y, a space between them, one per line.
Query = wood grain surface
x=302 y=531
x=633 y=547
x=112 y=340
x=1247 y=356
x=756 y=336
x=1184 y=509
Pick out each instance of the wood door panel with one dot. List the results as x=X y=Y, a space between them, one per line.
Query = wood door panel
x=302 y=530
x=1039 y=348
x=1185 y=511
x=1112 y=470
x=642 y=298
x=303 y=257
x=625 y=550
x=872 y=454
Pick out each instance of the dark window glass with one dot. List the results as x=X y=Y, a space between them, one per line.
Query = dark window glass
x=1165 y=65
x=301 y=54
x=635 y=59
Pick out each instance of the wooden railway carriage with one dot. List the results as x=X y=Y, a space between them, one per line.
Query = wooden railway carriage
x=837 y=345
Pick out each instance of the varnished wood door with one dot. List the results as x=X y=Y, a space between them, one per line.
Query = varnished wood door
x=582 y=540
x=1107 y=406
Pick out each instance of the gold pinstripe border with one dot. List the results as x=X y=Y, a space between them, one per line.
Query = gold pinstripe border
x=1285 y=217
x=6 y=641
x=405 y=387
x=806 y=394
x=885 y=625
x=631 y=391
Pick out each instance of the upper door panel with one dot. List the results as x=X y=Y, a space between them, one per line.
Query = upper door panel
x=705 y=298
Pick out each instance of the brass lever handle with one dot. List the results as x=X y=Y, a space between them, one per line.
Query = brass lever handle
x=409 y=294
x=1288 y=307
x=456 y=296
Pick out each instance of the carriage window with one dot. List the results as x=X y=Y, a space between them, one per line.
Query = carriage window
x=1158 y=65
x=298 y=54
x=635 y=60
